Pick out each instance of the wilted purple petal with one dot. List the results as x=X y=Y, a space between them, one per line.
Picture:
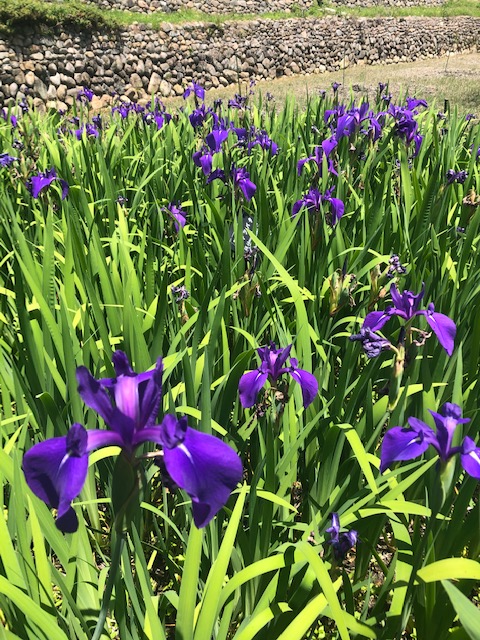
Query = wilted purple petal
x=207 y=469
x=6 y=160
x=373 y=344
x=65 y=188
x=218 y=174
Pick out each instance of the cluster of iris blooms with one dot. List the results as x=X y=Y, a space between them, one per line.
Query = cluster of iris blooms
x=205 y=467
x=340 y=120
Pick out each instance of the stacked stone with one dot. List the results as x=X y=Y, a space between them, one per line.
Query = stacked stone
x=211 y=7
x=387 y=3
x=138 y=62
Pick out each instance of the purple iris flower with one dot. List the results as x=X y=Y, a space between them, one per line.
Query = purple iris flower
x=406 y=306
x=271 y=368
x=203 y=159
x=197 y=90
x=90 y=130
x=262 y=140
x=410 y=442
x=406 y=127
x=238 y=101
x=128 y=107
x=313 y=200
x=241 y=180
x=319 y=153
x=413 y=103
x=179 y=216
x=216 y=138
x=6 y=116
x=341 y=542
x=201 y=464
x=85 y=94
x=36 y=184
x=6 y=160
x=249 y=138
x=350 y=122
x=199 y=115
x=158 y=116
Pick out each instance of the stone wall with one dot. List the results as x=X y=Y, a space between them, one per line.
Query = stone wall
x=246 y=6
x=207 y=6
x=386 y=3
x=140 y=61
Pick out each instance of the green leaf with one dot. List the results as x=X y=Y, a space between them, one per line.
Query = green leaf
x=450 y=569
x=46 y=624
x=468 y=613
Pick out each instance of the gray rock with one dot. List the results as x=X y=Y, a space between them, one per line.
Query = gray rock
x=165 y=88
x=136 y=81
x=30 y=78
x=61 y=92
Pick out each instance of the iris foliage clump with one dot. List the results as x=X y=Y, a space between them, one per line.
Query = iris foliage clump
x=257 y=321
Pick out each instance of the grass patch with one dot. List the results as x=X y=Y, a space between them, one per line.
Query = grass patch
x=73 y=14
x=18 y=14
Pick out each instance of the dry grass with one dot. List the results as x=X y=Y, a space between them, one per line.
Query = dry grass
x=455 y=78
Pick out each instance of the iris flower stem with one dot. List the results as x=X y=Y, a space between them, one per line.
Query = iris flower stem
x=112 y=576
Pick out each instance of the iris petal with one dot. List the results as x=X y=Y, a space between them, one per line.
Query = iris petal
x=470 y=457
x=56 y=477
x=207 y=469
x=377 y=319
x=402 y=444
x=96 y=397
x=308 y=384
x=443 y=327
x=249 y=386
